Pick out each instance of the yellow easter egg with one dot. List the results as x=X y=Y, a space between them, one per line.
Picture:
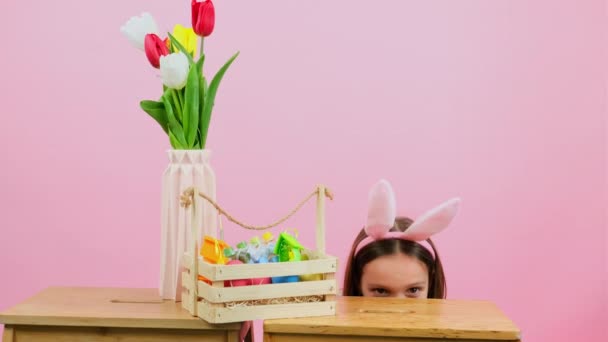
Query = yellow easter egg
x=311 y=277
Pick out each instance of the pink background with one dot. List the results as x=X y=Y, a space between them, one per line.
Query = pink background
x=500 y=102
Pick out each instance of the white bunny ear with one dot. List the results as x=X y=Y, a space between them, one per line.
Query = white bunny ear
x=381 y=210
x=433 y=221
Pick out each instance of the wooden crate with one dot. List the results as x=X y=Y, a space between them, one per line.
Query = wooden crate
x=218 y=304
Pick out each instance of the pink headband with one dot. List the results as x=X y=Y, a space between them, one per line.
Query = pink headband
x=382 y=212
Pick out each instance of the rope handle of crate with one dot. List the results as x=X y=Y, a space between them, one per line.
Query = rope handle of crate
x=321 y=192
x=187 y=199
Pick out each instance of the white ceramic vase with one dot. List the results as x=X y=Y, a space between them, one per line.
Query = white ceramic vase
x=186 y=168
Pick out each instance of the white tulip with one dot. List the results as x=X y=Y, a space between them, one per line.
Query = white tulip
x=174 y=70
x=137 y=28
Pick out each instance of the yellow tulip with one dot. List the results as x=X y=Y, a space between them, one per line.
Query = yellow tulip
x=186 y=37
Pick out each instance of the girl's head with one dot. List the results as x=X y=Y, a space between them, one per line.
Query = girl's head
x=393 y=256
x=394 y=268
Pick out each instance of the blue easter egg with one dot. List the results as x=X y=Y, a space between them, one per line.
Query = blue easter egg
x=292 y=279
x=285 y=279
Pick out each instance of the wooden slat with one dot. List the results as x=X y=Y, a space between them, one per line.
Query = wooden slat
x=231 y=294
x=186 y=282
x=218 y=315
x=206 y=311
x=331 y=277
x=321 y=219
x=187 y=301
x=186 y=261
x=224 y=272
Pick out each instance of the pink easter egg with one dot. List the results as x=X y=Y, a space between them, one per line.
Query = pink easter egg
x=261 y=281
x=237 y=282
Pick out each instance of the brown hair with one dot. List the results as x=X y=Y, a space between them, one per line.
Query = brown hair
x=376 y=249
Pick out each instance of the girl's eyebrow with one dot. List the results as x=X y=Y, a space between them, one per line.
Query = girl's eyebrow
x=416 y=284
x=420 y=283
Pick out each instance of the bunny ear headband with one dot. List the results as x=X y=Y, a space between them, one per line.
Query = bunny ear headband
x=381 y=216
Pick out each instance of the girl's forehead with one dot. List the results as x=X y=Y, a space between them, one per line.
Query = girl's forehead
x=395 y=271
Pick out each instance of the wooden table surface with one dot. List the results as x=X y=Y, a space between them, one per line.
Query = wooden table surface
x=108 y=314
x=111 y=307
x=142 y=310
x=403 y=318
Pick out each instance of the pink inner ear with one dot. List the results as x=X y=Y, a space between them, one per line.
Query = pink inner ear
x=433 y=221
x=381 y=209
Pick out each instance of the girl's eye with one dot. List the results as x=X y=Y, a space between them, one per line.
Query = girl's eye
x=414 y=291
x=380 y=292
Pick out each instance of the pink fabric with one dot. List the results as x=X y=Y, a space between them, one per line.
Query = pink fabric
x=381 y=216
x=393 y=235
x=245 y=326
x=433 y=221
x=381 y=210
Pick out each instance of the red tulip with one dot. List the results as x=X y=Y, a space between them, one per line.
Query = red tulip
x=203 y=17
x=155 y=47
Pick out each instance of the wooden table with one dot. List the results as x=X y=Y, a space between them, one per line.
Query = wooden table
x=107 y=314
x=384 y=319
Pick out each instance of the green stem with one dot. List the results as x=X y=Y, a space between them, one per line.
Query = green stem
x=202 y=45
x=202 y=53
x=178 y=106
x=180 y=93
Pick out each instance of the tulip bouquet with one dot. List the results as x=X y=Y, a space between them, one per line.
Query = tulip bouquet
x=184 y=109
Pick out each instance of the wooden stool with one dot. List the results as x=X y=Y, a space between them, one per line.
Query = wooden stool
x=107 y=314
x=385 y=319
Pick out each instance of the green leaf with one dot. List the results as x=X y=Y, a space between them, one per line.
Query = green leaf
x=210 y=99
x=202 y=84
x=157 y=111
x=178 y=106
x=174 y=143
x=203 y=89
x=174 y=127
x=200 y=63
x=180 y=47
x=181 y=97
x=191 y=110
